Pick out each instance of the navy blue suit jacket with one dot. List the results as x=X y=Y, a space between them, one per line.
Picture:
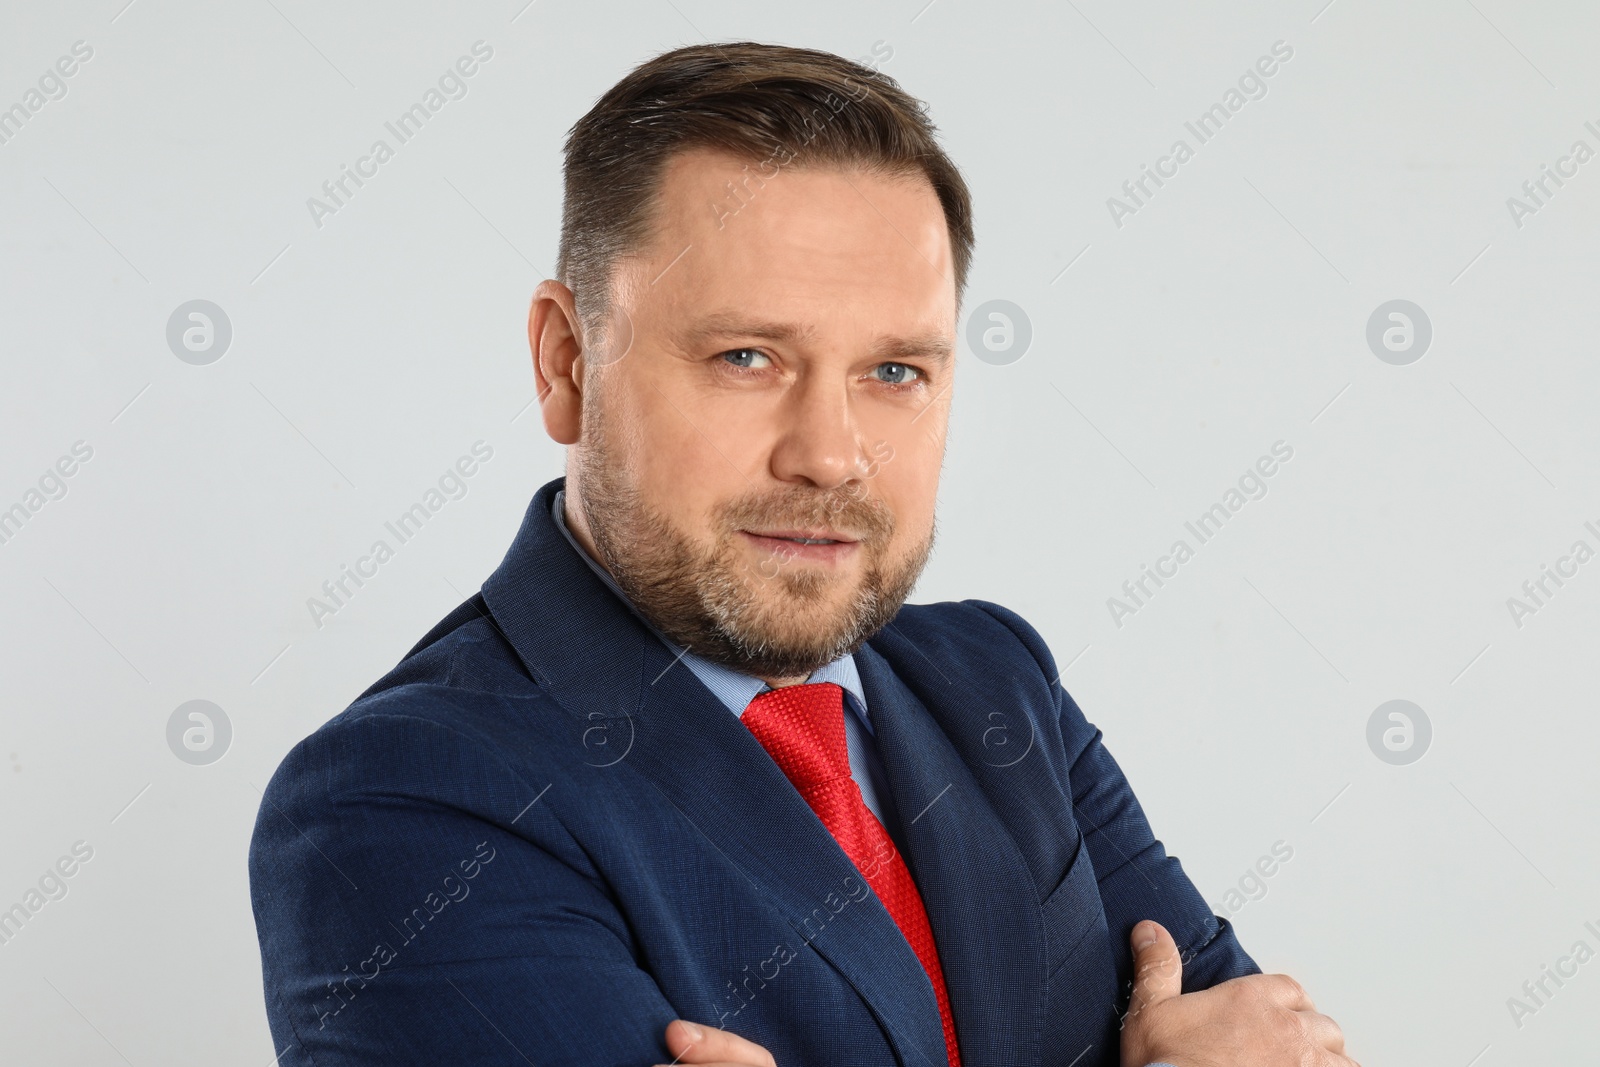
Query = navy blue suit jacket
x=538 y=841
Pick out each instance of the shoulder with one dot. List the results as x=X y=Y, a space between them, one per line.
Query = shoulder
x=958 y=656
x=971 y=628
x=465 y=650
x=993 y=647
x=458 y=712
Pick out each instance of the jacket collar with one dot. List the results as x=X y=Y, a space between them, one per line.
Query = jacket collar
x=578 y=641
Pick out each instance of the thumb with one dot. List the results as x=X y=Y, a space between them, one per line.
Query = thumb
x=695 y=1043
x=1157 y=966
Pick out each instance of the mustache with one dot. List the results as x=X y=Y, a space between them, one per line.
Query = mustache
x=851 y=512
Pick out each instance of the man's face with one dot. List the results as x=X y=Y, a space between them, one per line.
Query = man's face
x=778 y=366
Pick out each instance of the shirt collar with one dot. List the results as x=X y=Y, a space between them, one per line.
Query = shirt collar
x=733 y=688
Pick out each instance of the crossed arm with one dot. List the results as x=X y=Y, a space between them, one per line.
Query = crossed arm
x=349 y=849
x=1265 y=1020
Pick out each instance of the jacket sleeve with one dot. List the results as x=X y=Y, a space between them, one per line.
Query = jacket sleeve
x=1137 y=878
x=419 y=903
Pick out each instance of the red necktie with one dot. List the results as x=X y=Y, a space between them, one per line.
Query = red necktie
x=802 y=728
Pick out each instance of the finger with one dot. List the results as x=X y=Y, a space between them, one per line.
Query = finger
x=1157 y=966
x=1293 y=994
x=1278 y=991
x=695 y=1043
x=1322 y=1031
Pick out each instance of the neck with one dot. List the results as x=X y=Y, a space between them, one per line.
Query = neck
x=779 y=683
x=578 y=522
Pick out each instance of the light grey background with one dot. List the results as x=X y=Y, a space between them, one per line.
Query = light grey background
x=1168 y=353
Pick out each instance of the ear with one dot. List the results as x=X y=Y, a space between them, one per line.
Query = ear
x=556 y=340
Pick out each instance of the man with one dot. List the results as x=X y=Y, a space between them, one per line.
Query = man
x=687 y=779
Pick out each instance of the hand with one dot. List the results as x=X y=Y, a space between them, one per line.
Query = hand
x=1260 y=1020
x=709 y=1047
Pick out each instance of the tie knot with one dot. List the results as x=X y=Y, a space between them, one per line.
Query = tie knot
x=802 y=729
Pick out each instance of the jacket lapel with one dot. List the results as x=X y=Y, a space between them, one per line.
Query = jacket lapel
x=981 y=899
x=644 y=713
x=720 y=778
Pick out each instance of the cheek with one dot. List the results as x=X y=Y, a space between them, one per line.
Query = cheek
x=682 y=460
x=909 y=497
x=906 y=466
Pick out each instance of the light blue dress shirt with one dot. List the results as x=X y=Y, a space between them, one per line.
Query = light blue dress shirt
x=737 y=690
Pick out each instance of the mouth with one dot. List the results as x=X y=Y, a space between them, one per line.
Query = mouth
x=803 y=537
x=818 y=546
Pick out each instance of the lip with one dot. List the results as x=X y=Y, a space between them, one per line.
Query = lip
x=814 y=535
x=772 y=543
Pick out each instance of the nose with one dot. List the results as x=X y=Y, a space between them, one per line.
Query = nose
x=818 y=441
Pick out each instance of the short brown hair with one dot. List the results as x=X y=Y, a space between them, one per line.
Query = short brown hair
x=755 y=101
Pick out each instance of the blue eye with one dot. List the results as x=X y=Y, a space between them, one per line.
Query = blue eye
x=898 y=371
x=742 y=353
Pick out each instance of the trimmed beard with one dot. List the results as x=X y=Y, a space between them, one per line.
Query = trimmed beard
x=708 y=601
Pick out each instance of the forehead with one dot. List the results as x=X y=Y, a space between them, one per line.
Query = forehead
x=812 y=242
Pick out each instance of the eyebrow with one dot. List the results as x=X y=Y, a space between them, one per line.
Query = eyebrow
x=936 y=347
